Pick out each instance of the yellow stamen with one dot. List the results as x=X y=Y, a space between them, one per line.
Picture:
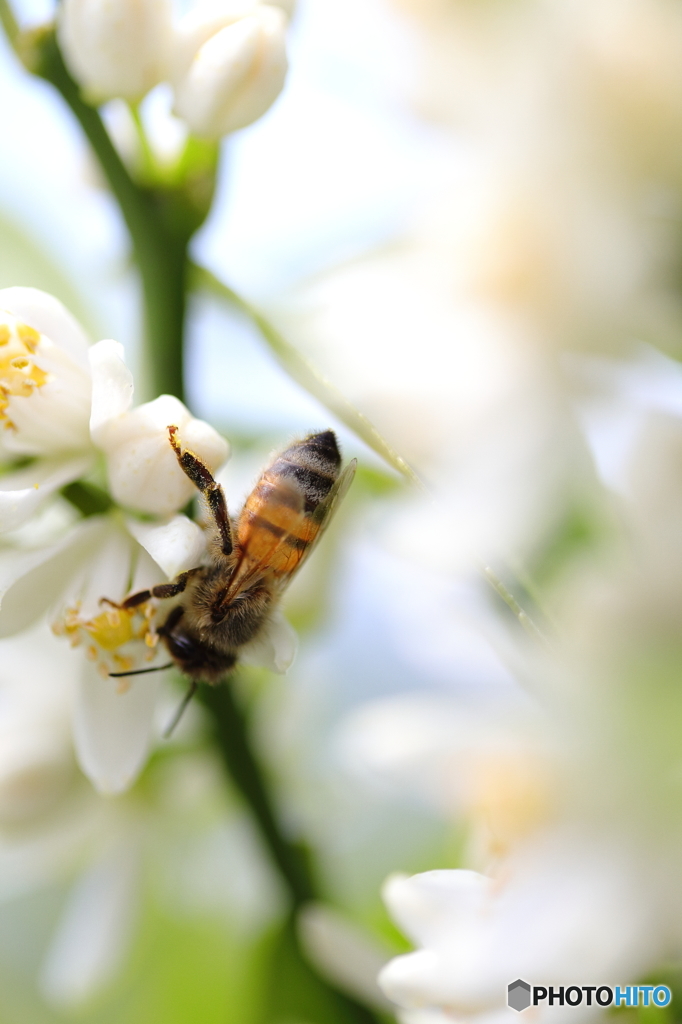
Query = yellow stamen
x=110 y=630
x=118 y=639
x=19 y=375
x=29 y=336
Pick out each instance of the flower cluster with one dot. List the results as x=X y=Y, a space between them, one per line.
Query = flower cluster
x=68 y=423
x=540 y=282
x=226 y=61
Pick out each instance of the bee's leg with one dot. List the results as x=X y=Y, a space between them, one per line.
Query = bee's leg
x=172 y=621
x=201 y=477
x=162 y=590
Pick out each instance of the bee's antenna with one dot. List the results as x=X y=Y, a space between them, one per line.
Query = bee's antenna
x=181 y=710
x=140 y=671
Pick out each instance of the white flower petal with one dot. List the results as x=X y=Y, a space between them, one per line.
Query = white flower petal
x=22 y=492
x=46 y=389
x=199 y=25
x=414 y=979
x=429 y=905
x=343 y=952
x=143 y=469
x=116 y=49
x=112 y=386
x=49 y=316
x=109 y=570
x=35 y=857
x=175 y=546
x=32 y=581
x=275 y=646
x=235 y=75
x=113 y=729
x=147 y=573
x=427 y=1016
x=96 y=929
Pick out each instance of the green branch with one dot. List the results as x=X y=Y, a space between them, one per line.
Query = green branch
x=9 y=23
x=160 y=253
x=305 y=374
x=231 y=732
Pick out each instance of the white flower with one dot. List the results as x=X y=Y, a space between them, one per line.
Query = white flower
x=60 y=401
x=591 y=890
x=97 y=559
x=45 y=397
x=116 y=48
x=574 y=912
x=229 y=66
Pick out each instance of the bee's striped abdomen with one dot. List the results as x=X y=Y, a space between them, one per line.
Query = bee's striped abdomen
x=281 y=507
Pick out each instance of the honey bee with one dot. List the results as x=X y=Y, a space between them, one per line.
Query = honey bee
x=252 y=558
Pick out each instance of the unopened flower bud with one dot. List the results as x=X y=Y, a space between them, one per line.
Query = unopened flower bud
x=229 y=68
x=116 y=48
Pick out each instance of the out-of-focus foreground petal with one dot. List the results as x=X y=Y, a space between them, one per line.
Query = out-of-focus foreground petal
x=115 y=49
x=236 y=73
x=96 y=928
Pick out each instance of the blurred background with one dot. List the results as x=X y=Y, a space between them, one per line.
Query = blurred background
x=466 y=213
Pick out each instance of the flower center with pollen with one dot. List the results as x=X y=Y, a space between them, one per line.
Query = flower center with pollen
x=19 y=374
x=118 y=639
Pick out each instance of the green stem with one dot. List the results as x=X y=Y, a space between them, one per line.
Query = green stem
x=231 y=732
x=307 y=375
x=9 y=23
x=160 y=254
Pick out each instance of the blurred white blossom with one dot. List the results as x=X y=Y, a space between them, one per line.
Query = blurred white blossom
x=118 y=49
x=226 y=59
x=229 y=65
x=584 y=819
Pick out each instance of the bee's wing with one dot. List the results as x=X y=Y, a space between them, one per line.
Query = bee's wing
x=322 y=517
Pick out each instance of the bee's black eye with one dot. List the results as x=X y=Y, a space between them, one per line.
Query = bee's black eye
x=182 y=647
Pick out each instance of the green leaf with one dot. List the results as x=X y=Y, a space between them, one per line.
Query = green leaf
x=294 y=994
